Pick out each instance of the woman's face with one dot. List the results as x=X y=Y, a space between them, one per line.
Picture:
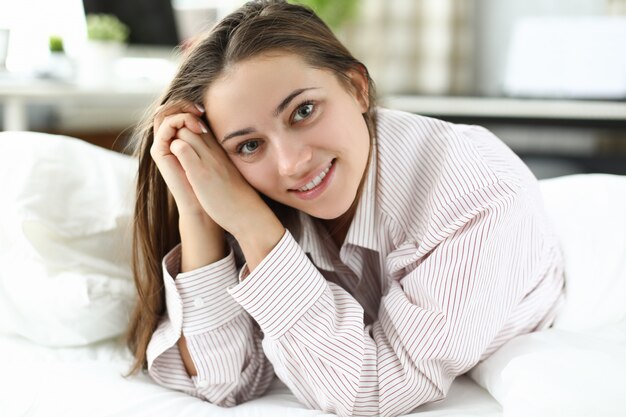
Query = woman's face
x=295 y=133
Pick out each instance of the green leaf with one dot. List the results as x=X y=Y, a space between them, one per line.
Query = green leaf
x=56 y=44
x=106 y=27
x=333 y=12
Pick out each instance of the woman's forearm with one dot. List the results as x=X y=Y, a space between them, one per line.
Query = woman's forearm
x=259 y=237
x=202 y=242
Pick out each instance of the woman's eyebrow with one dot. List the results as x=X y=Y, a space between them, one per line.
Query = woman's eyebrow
x=295 y=93
x=279 y=109
x=239 y=132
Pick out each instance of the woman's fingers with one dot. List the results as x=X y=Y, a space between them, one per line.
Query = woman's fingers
x=172 y=108
x=186 y=154
x=165 y=147
x=170 y=127
x=184 y=151
x=205 y=144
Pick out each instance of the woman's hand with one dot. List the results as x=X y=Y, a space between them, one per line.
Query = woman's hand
x=226 y=196
x=168 y=120
x=220 y=188
x=202 y=178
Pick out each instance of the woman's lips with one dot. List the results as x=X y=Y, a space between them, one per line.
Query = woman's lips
x=320 y=187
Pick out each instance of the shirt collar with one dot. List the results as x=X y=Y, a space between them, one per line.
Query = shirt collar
x=313 y=243
x=362 y=231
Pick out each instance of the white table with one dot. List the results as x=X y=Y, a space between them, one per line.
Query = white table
x=509 y=108
x=16 y=94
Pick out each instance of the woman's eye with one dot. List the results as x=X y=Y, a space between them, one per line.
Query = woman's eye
x=303 y=112
x=248 y=148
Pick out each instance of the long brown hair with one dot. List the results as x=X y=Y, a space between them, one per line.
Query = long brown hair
x=256 y=27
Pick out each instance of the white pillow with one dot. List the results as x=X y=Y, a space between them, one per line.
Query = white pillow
x=558 y=373
x=578 y=367
x=65 y=235
x=589 y=214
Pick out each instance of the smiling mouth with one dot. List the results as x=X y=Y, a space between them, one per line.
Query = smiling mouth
x=315 y=181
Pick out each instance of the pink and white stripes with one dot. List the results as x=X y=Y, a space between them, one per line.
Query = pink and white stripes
x=448 y=257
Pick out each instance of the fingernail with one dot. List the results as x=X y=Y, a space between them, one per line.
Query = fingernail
x=203 y=127
x=200 y=108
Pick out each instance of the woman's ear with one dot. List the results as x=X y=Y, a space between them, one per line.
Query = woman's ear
x=360 y=86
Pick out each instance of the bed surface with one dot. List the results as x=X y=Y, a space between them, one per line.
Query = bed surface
x=75 y=382
x=65 y=281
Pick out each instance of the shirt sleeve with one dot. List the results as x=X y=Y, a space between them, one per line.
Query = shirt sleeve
x=443 y=308
x=223 y=340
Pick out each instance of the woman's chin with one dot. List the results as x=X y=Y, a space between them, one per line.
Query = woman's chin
x=328 y=213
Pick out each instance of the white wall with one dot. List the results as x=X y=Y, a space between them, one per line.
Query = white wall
x=494 y=23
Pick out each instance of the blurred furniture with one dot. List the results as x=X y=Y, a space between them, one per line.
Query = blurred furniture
x=567 y=57
x=4 y=45
x=101 y=113
x=522 y=110
x=585 y=135
x=124 y=98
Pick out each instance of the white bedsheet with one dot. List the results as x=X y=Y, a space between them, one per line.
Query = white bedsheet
x=533 y=376
x=38 y=381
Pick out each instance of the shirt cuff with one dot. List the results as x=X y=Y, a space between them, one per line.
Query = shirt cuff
x=281 y=288
x=197 y=301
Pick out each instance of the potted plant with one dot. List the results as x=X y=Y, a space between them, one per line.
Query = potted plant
x=106 y=28
x=58 y=65
x=106 y=41
x=55 y=44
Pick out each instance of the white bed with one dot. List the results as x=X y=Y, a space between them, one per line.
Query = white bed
x=65 y=291
x=87 y=381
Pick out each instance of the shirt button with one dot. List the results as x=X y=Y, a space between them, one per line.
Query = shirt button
x=203 y=383
x=198 y=302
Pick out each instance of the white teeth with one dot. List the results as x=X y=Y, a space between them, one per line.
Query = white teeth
x=316 y=181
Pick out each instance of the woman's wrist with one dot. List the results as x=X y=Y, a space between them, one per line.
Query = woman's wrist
x=258 y=236
x=202 y=241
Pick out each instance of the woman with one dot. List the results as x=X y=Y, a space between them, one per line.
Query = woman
x=385 y=253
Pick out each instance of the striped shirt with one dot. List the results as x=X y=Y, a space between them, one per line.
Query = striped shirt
x=449 y=255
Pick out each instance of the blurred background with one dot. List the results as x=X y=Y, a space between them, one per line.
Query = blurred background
x=547 y=76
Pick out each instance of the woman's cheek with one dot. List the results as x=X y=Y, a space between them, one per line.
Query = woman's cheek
x=252 y=176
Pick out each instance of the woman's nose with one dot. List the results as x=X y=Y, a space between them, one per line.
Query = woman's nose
x=293 y=158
